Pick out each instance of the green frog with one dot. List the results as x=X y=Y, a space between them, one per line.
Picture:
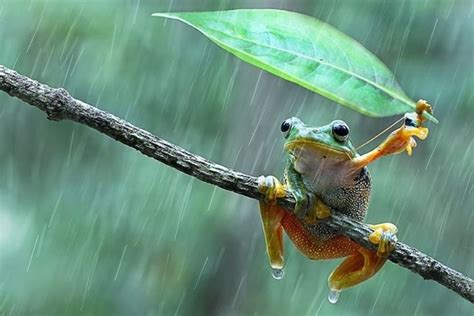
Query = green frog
x=325 y=173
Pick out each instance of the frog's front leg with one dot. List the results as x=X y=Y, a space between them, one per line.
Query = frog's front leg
x=400 y=140
x=364 y=263
x=295 y=184
x=271 y=215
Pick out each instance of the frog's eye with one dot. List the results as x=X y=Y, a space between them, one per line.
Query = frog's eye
x=285 y=127
x=340 y=131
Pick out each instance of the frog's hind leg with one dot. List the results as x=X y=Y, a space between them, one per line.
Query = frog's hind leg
x=364 y=263
x=353 y=270
x=273 y=231
x=271 y=215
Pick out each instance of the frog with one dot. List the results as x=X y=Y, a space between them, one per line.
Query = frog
x=325 y=174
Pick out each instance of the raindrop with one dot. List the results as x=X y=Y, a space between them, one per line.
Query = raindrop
x=333 y=296
x=278 y=274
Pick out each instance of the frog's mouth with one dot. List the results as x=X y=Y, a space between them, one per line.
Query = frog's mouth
x=322 y=148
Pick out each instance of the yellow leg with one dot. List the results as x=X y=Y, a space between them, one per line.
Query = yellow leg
x=271 y=215
x=363 y=263
x=401 y=139
x=273 y=231
x=353 y=270
x=397 y=142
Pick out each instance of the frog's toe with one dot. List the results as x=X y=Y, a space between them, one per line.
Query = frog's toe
x=385 y=236
x=271 y=188
x=387 y=244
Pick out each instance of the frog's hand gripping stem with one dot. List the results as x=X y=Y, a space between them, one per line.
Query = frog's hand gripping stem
x=401 y=139
x=271 y=215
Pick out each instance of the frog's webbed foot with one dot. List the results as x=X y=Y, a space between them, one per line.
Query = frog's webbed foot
x=271 y=215
x=384 y=235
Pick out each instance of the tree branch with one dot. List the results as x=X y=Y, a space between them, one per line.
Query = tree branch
x=59 y=105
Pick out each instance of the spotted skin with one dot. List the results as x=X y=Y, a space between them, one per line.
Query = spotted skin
x=351 y=200
x=312 y=246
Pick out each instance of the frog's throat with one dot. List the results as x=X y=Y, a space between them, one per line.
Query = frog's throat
x=311 y=143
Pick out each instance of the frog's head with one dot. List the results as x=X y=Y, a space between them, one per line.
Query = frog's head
x=322 y=155
x=331 y=141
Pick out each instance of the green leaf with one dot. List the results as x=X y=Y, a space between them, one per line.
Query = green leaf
x=308 y=52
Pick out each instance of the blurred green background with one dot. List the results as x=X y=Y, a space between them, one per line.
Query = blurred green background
x=89 y=226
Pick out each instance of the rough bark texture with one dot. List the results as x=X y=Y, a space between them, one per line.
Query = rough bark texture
x=59 y=105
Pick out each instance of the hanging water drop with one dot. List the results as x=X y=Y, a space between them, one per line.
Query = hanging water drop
x=278 y=274
x=333 y=296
